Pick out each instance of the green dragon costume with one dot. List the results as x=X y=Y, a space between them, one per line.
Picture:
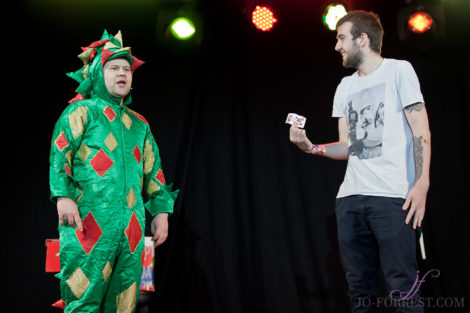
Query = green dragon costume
x=102 y=156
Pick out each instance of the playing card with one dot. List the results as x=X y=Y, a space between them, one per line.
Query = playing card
x=295 y=119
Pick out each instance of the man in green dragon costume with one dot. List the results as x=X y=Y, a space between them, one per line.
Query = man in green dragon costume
x=103 y=156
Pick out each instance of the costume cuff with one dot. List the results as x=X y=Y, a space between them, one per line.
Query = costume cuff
x=162 y=201
x=62 y=187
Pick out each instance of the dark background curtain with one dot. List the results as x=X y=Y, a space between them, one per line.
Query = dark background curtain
x=254 y=228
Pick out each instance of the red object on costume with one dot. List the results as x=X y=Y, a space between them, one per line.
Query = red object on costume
x=105 y=54
x=135 y=64
x=60 y=304
x=78 y=97
x=95 y=44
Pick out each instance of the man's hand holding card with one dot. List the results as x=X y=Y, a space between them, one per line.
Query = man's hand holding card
x=299 y=137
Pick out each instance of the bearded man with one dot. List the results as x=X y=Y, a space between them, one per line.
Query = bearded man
x=381 y=203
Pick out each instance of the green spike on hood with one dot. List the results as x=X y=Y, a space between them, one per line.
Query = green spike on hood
x=90 y=77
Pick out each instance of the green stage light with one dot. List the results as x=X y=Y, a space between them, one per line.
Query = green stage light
x=333 y=13
x=182 y=28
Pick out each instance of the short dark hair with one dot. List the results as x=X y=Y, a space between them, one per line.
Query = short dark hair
x=365 y=22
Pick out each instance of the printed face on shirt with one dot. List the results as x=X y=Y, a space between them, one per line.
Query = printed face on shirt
x=366 y=116
x=348 y=47
x=366 y=122
x=118 y=77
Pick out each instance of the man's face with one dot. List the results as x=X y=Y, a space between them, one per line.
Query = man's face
x=118 y=77
x=348 y=47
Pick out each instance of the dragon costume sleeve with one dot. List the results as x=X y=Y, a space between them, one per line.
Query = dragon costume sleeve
x=65 y=142
x=161 y=197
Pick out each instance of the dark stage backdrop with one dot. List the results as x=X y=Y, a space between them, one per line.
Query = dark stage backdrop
x=254 y=228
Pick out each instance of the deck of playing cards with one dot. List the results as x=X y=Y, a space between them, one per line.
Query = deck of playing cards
x=296 y=120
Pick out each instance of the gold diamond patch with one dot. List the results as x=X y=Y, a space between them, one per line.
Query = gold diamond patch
x=68 y=155
x=152 y=187
x=107 y=271
x=77 y=119
x=149 y=157
x=84 y=152
x=126 y=120
x=125 y=302
x=111 y=142
x=80 y=194
x=78 y=283
x=131 y=198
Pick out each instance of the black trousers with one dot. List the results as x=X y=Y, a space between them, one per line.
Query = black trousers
x=372 y=234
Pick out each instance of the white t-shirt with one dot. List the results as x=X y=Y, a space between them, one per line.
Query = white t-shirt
x=381 y=161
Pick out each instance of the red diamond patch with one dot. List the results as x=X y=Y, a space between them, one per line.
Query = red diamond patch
x=137 y=154
x=67 y=170
x=140 y=117
x=160 y=177
x=91 y=233
x=110 y=114
x=61 y=142
x=101 y=163
x=133 y=233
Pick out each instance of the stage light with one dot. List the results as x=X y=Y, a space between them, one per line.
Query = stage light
x=333 y=13
x=421 y=26
x=182 y=28
x=420 y=22
x=263 y=18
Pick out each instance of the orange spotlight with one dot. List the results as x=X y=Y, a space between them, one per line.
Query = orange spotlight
x=420 y=22
x=263 y=18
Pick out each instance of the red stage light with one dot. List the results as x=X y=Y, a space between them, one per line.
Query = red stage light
x=263 y=18
x=420 y=22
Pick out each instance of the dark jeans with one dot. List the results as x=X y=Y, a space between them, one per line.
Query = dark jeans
x=372 y=233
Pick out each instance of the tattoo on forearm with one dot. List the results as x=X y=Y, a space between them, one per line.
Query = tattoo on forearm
x=415 y=107
x=418 y=154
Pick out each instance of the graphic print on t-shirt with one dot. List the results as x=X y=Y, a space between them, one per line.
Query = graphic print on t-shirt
x=366 y=122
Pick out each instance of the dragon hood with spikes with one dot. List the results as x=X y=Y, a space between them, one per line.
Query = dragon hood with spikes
x=90 y=76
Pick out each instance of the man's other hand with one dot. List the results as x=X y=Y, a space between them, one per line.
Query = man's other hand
x=159 y=228
x=68 y=212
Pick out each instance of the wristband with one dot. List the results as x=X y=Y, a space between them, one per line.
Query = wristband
x=319 y=148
